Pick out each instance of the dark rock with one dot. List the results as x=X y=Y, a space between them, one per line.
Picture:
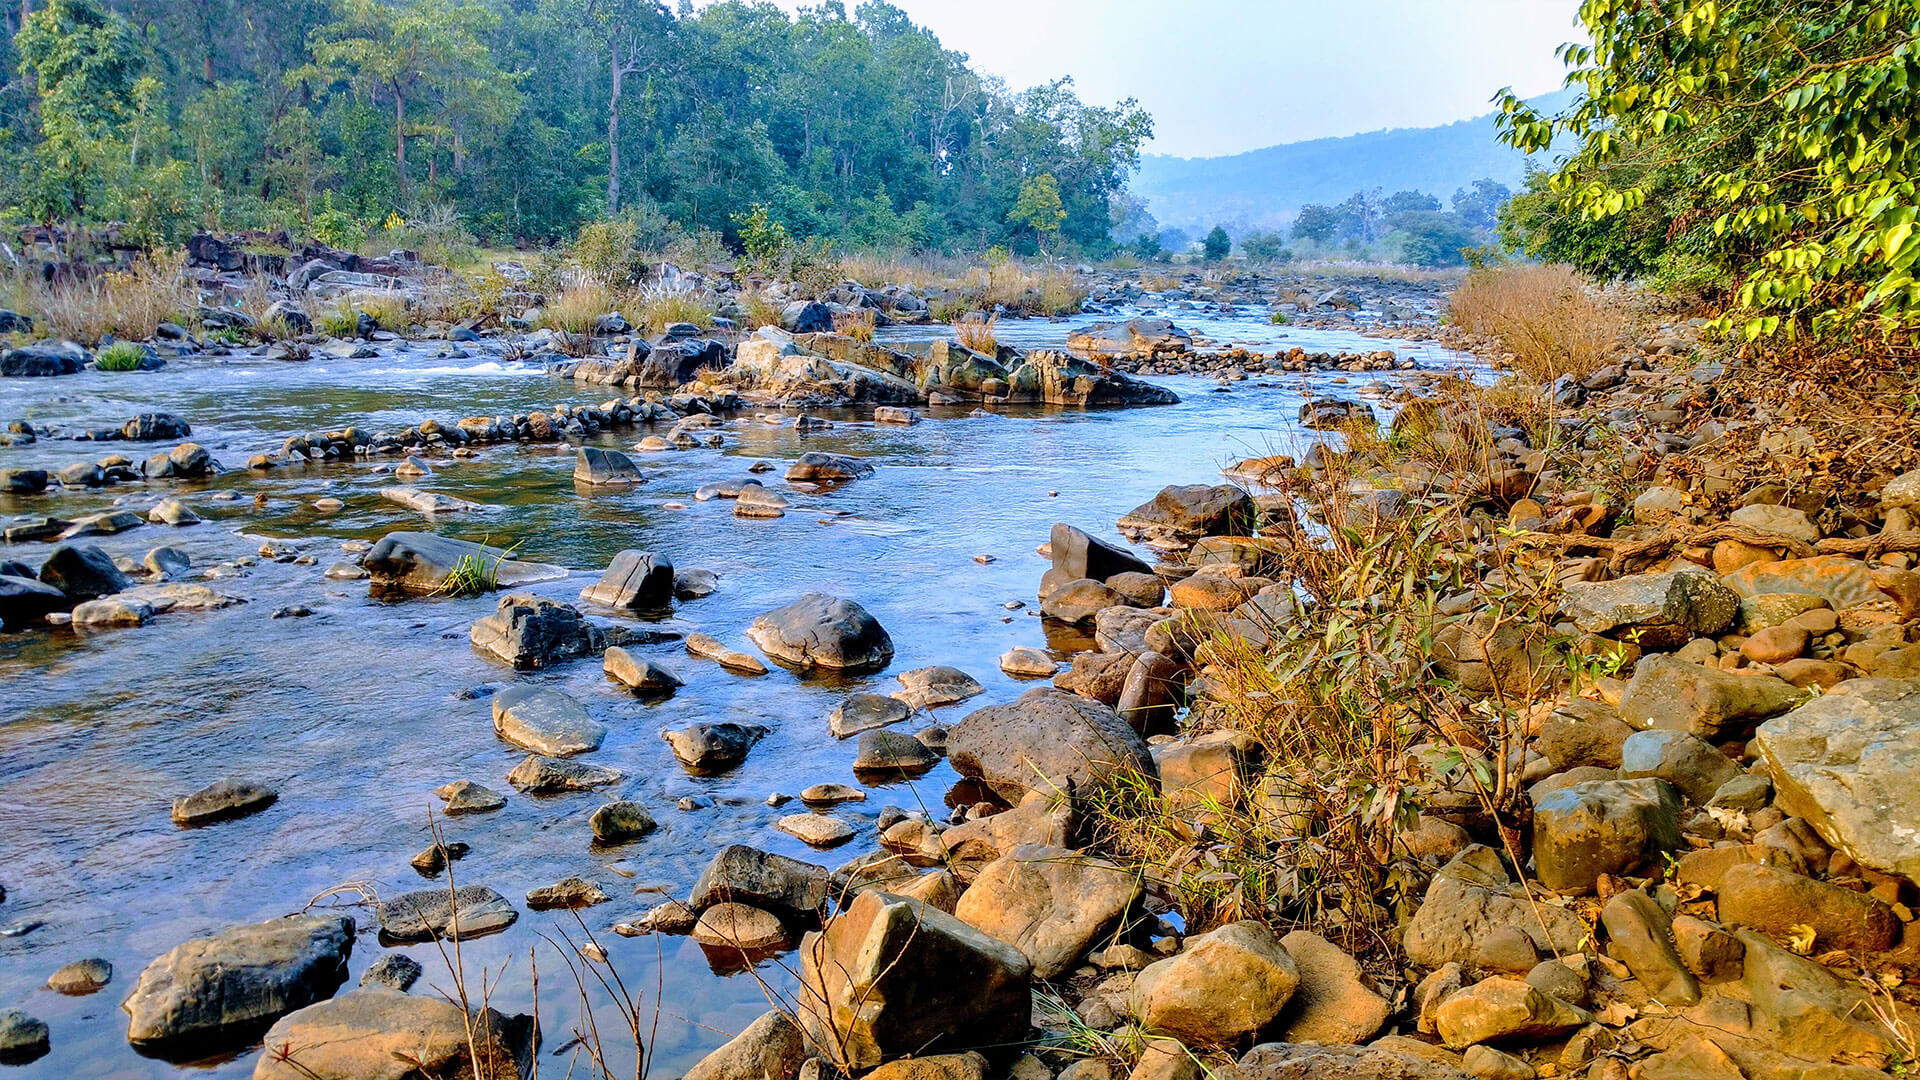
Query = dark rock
x=83 y=572
x=467 y=912
x=817 y=467
x=597 y=467
x=1077 y=555
x=794 y=890
x=529 y=631
x=711 y=748
x=221 y=800
x=226 y=987
x=1602 y=827
x=43 y=360
x=395 y=970
x=823 y=631
x=418 y=562
x=634 y=581
x=1183 y=514
x=152 y=427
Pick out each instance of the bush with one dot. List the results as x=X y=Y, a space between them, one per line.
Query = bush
x=127 y=304
x=120 y=356
x=658 y=305
x=1548 y=318
x=1217 y=245
x=978 y=334
x=574 y=310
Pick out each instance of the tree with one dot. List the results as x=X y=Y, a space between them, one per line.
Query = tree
x=417 y=52
x=1317 y=223
x=1408 y=202
x=1038 y=207
x=1264 y=246
x=1479 y=206
x=637 y=38
x=1790 y=141
x=1362 y=215
x=1432 y=238
x=85 y=64
x=1217 y=244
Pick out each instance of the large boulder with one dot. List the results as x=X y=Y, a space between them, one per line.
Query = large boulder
x=1051 y=903
x=64 y=358
x=530 y=631
x=1134 y=337
x=1057 y=378
x=1182 y=514
x=1602 y=827
x=1333 y=1003
x=806 y=317
x=1471 y=898
x=379 y=1033
x=1219 y=988
x=24 y=601
x=1659 y=610
x=821 y=631
x=1077 y=555
x=1782 y=903
x=1047 y=739
x=713 y=748
x=1848 y=762
x=1839 y=579
x=771 y=1048
x=1671 y=693
x=634 y=581
x=794 y=890
x=545 y=721
x=597 y=467
x=154 y=426
x=418 y=562
x=83 y=572
x=216 y=990
x=890 y=976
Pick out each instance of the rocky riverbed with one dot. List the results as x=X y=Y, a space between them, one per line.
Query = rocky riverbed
x=244 y=644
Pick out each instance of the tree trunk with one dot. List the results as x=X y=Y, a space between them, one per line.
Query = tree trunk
x=400 y=141
x=613 y=133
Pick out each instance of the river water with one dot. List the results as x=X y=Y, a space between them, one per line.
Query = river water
x=356 y=712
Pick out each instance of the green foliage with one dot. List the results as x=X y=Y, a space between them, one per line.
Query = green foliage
x=1147 y=247
x=1217 y=244
x=1039 y=207
x=120 y=356
x=335 y=227
x=1317 y=223
x=1265 y=246
x=1431 y=238
x=1779 y=152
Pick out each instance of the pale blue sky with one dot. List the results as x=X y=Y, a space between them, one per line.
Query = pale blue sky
x=1222 y=76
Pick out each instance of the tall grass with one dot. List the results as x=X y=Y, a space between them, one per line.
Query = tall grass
x=857 y=324
x=574 y=309
x=657 y=305
x=979 y=335
x=1547 y=317
x=127 y=304
x=120 y=356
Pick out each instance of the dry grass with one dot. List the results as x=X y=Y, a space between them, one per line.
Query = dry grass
x=978 y=334
x=1548 y=318
x=997 y=282
x=387 y=310
x=575 y=307
x=126 y=304
x=756 y=310
x=1349 y=268
x=656 y=306
x=857 y=325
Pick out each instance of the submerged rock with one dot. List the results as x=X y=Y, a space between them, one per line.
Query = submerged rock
x=221 y=800
x=529 y=631
x=467 y=912
x=418 y=562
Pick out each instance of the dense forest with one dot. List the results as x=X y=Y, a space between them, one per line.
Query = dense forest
x=518 y=120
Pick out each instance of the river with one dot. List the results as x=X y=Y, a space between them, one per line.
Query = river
x=358 y=710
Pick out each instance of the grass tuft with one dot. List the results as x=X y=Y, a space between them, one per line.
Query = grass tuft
x=120 y=356
x=978 y=334
x=1550 y=320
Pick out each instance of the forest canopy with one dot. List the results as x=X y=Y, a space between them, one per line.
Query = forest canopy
x=523 y=119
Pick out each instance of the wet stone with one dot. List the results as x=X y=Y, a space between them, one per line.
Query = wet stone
x=221 y=800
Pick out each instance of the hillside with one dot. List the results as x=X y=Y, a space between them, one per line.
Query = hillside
x=1266 y=187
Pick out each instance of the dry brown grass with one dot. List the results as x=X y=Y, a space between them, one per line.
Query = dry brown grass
x=756 y=310
x=655 y=306
x=1549 y=319
x=126 y=304
x=857 y=324
x=575 y=307
x=978 y=334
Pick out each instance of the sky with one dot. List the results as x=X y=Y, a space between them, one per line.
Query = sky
x=1224 y=76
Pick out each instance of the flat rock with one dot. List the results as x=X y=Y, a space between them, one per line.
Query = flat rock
x=467 y=797
x=229 y=985
x=539 y=775
x=866 y=712
x=639 y=674
x=740 y=926
x=377 y=1033
x=545 y=721
x=467 y=912
x=819 y=830
x=81 y=977
x=1025 y=663
x=418 y=562
x=569 y=893
x=221 y=800
x=930 y=687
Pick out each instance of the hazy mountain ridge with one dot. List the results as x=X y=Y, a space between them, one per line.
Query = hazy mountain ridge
x=1265 y=187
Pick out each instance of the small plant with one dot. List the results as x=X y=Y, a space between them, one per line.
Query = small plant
x=120 y=356
x=856 y=324
x=575 y=309
x=978 y=335
x=340 y=320
x=387 y=310
x=476 y=573
x=1277 y=318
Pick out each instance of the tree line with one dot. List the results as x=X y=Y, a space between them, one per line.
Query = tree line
x=520 y=120
x=1405 y=226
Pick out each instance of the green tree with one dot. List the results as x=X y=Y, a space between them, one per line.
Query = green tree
x=423 y=55
x=1217 y=244
x=1317 y=223
x=1039 y=208
x=1479 y=206
x=1433 y=238
x=84 y=62
x=1790 y=143
x=1262 y=245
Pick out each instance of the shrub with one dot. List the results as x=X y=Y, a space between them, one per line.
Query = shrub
x=658 y=304
x=857 y=324
x=127 y=304
x=606 y=252
x=576 y=307
x=978 y=334
x=1547 y=317
x=340 y=320
x=387 y=310
x=1217 y=244
x=120 y=356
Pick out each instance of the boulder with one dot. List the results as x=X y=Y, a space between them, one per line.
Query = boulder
x=1640 y=934
x=712 y=748
x=426 y=502
x=545 y=721
x=597 y=467
x=890 y=976
x=1079 y=601
x=1220 y=987
x=81 y=977
x=1841 y=580
x=1292 y=1061
x=771 y=1048
x=224 y=988
x=220 y=801
x=794 y=890
x=378 y=1033
x=821 y=631
x=467 y=912
x=418 y=562
x=1473 y=897
x=1671 y=693
x=1501 y=1009
x=1181 y=514
x=806 y=317
x=1047 y=739
x=1602 y=827
x=528 y=631
x=545 y=776
x=818 y=467
x=23 y=1038
x=1051 y=903
x=83 y=572
x=155 y=426
x=621 y=821
x=1078 y=555
x=43 y=360
x=1134 y=337
x=1332 y=414
x=1333 y=1003
x=467 y=797
x=639 y=674
x=1058 y=378
x=892 y=752
x=1660 y=610
x=1847 y=763
x=1695 y=767
x=866 y=712
x=1779 y=902
x=634 y=581
x=24 y=601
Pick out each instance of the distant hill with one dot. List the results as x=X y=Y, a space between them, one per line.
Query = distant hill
x=1265 y=187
